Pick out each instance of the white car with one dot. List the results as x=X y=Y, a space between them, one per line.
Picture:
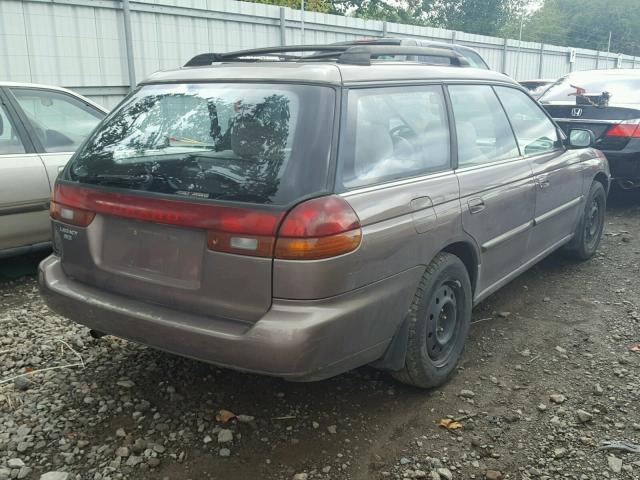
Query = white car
x=40 y=128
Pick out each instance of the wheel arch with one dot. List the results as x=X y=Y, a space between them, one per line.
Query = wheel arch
x=603 y=179
x=468 y=254
x=394 y=357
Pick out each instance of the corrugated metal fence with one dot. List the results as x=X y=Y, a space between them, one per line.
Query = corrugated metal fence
x=82 y=44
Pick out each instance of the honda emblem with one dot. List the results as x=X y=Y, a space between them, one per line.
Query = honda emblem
x=576 y=112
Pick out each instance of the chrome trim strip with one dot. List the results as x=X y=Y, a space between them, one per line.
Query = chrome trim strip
x=557 y=210
x=587 y=120
x=507 y=235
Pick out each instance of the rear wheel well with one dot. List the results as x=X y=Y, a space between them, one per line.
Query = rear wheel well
x=466 y=253
x=602 y=178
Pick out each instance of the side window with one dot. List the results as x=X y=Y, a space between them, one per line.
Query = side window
x=484 y=133
x=394 y=133
x=534 y=131
x=60 y=121
x=9 y=140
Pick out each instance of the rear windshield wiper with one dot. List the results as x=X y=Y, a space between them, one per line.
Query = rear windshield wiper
x=113 y=179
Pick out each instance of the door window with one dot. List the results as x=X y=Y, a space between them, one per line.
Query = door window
x=394 y=133
x=9 y=140
x=534 y=131
x=60 y=121
x=484 y=134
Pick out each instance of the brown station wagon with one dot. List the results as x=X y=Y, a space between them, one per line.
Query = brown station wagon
x=300 y=212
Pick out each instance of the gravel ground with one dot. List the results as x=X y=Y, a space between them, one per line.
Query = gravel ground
x=548 y=376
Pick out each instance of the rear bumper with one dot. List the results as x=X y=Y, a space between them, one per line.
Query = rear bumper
x=298 y=340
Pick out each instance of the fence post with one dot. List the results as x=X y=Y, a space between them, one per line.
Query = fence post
x=385 y=28
x=131 y=68
x=633 y=64
x=571 y=64
x=597 y=59
x=283 y=27
x=504 y=56
x=453 y=36
x=541 y=60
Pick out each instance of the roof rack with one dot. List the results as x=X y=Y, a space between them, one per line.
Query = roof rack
x=346 y=54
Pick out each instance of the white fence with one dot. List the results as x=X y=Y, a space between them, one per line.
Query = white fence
x=83 y=44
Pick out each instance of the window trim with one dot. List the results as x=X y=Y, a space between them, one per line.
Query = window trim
x=16 y=122
x=342 y=189
x=453 y=119
x=561 y=145
x=38 y=146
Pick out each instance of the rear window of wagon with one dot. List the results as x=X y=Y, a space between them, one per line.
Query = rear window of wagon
x=244 y=142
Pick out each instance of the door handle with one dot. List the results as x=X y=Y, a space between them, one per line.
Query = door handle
x=476 y=205
x=543 y=181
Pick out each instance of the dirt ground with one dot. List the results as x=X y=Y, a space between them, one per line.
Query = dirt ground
x=547 y=376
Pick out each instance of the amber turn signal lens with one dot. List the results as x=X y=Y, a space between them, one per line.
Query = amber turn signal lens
x=319 y=247
x=73 y=216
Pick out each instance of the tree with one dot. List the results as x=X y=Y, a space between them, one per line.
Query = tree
x=408 y=11
x=586 y=24
x=310 y=5
x=486 y=17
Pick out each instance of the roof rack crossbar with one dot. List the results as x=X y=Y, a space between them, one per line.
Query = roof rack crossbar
x=362 y=54
x=345 y=54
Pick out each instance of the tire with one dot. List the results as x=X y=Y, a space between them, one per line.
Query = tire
x=437 y=328
x=589 y=230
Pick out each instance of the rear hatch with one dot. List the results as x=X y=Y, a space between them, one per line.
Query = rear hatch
x=176 y=198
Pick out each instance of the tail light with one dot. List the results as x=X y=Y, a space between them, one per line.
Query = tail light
x=68 y=212
x=628 y=128
x=319 y=228
x=74 y=216
x=230 y=229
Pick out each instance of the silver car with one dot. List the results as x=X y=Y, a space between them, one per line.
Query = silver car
x=300 y=212
x=40 y=128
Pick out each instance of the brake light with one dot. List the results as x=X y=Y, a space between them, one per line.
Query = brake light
x=625 y=129
x=230 y=229
x=320 y=228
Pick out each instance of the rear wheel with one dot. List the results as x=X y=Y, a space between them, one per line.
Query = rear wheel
x=589 y=231
x=439 y=321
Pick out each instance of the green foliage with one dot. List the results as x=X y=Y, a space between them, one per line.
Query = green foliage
x=579 y=23
x=485 y=17
x=584 y=24
x=408 y=12
x=309 y=5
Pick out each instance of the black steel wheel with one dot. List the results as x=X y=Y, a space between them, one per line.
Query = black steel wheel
x=438 y=323
x=589 y=231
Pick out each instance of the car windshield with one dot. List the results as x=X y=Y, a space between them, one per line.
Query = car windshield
x=241 y=142
x=589 y=88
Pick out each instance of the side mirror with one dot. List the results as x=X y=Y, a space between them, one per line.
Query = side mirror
x=579 y=138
